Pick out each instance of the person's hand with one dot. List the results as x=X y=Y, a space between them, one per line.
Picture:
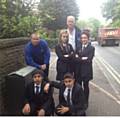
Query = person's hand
x=46 y=87
x=63 y=109
x=26 y=109
x=84 y=58
x=43 y=67
x=41 y=112
x=66 y=55
x=76 y=56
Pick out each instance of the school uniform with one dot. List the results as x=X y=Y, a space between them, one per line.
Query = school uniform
x=38 y=99
x=64 y=64
x=84 y=69
x=74 y=99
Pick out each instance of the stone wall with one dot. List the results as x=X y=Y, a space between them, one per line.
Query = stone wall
x=11 y=59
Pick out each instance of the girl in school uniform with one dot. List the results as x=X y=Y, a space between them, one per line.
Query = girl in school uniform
x=64 y=53
x=84 y=56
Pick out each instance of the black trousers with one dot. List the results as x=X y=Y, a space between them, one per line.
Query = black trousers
x=85 y=86
x=34 y=110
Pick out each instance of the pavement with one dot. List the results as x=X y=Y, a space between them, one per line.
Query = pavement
x=103 y=100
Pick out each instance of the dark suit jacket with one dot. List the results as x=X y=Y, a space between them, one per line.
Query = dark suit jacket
x=77 y=36
x=84 y=67
x=78 y=98
x=43 y=100
x=63 y=63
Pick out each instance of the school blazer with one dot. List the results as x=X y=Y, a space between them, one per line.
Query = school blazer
x=78 y=98
x=85 y=66
x=43 y=100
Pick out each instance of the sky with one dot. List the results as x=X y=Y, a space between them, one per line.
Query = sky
x=90 y=8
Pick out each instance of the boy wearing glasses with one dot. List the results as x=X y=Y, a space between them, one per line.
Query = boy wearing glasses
x=37 y=102
x=71 y=97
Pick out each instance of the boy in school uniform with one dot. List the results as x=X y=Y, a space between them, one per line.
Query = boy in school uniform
x=71 y=97
x=38 y=102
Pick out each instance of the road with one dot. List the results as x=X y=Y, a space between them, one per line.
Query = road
x=105 y=86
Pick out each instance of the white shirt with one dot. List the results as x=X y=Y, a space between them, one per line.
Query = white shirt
x=84 y=46
x=72 y=38
x=66 y=94
x=38 y=86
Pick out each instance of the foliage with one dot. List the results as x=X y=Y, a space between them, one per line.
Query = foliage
x=16 y=19
x=54 y=12
x=111 y=11
x=19 y=18
x=92 y=24
x=52 y=43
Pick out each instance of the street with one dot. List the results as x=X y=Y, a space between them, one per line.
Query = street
x=105 y=86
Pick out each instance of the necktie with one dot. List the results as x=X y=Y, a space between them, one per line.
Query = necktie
x=66 y=49
x=68 y=97
x=83 y=47
x=37 y=90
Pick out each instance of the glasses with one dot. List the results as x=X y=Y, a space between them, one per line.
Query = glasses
x=69 y=81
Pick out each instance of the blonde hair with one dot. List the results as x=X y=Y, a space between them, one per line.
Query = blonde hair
x=63 y=31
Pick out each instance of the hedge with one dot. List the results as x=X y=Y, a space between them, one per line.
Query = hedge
x=52 y=43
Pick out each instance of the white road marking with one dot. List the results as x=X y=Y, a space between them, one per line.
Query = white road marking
x=105 y=92
x=98 y=87
x=110 y=69
x=106 y=74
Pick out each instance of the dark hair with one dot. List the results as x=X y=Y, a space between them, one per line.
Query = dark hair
x=86 y=33
x=69 y=75
x=37 y=71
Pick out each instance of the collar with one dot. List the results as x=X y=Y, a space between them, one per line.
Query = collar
x=72 y=31
x=37 y=85
x=69 y=88
x=85 y=45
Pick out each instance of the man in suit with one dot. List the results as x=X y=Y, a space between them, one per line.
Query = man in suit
x=74 y=36
x=71 y=97
x=74 y=32
x=37 y=101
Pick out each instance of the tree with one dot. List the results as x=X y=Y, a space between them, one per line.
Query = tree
x=111 y=10
x=53 y=13
x=92 y=24
x=16 y=18
x=82 y=24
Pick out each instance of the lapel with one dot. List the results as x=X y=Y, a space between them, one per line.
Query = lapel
x=62 y=91
x=65 y=49
x=77 y=36
x=32 y=89
x=73 y=93
x=42 y=86
x=86 y=49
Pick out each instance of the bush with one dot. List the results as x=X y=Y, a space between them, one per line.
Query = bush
x=52 y=43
